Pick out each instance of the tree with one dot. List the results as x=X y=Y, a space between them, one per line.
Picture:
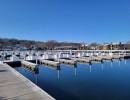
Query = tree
x=93 y=45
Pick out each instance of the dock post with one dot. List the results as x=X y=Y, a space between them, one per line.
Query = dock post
x=70 y=53
x=24 y=57
x=58 y=57
x=36 y=59
x=40 y=62
x=75 y=54
x=12 y=54
x=1 y=61
x=119 y=54
x=101 y=54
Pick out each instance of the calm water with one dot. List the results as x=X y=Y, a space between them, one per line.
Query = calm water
x=110 y=81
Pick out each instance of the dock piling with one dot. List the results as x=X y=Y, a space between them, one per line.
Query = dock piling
x=36 y=58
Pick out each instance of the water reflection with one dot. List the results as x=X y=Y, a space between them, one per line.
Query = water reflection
x=111 y=64
x=32 y=70
x=119 y=62
x=36 y=78
x=53 y=67
x=58 y=74
x=75 y=71
x=125 y=61
x=90 y=68
x=102 y=66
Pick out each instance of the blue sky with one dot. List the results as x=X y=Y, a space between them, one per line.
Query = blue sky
x=88 y=21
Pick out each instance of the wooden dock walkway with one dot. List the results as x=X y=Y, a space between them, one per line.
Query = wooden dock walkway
x=14 y=86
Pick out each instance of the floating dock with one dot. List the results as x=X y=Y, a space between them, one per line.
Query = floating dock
x=34 y=71
x=68 y=62
x=51 y=64
x=14 y=86
x=107 y=58
x=29 y=66
x=116 y=57
x=96 y=59
x=82 y=60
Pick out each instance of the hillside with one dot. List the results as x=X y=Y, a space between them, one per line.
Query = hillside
x=14 y=44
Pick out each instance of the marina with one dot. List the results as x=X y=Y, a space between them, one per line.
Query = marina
x=55 y=66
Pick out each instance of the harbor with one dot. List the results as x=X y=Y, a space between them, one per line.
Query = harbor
x=35 y=61
x=62 y=83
